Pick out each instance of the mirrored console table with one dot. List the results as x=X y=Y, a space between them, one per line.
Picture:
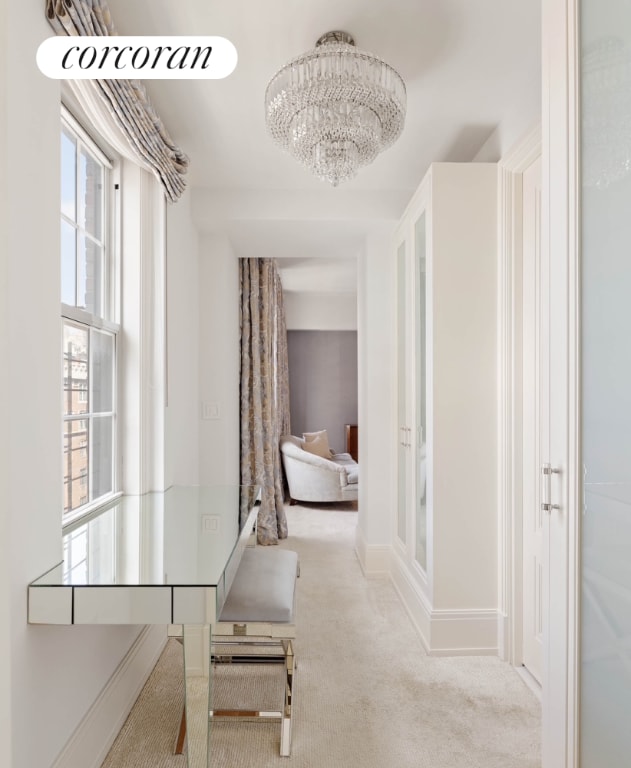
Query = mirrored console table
x=160 y=558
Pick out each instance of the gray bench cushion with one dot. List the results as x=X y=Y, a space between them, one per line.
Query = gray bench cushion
x=263 y=588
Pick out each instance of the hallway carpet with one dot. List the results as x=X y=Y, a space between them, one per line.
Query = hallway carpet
x=367 y=695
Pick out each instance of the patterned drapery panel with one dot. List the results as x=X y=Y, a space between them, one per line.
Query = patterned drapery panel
x=264 y=391
x=126 y=100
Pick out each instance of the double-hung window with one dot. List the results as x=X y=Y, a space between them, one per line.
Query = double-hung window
x=89 y=302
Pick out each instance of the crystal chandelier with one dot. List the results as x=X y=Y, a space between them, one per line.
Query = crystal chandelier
x=335 y=108
x=606 y=97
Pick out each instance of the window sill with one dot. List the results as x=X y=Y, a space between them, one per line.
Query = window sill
x=82 y=514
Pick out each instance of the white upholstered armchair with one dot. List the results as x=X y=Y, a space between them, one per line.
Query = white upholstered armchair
x=314 y=478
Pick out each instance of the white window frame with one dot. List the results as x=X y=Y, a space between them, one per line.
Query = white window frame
x=111 y=302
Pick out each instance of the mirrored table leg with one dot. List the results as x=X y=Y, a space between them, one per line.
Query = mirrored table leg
x=197 y=694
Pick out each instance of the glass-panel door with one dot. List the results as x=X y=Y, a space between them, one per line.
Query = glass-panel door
x=420 y=334
x=605 y=705
x=402 y=449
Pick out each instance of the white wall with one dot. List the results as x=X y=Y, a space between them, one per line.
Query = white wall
x=525 y=115
x=5 y=542
x=464 y=391
x=218 y=361
x=376 y=420
x=323 y=383
x=56 y=672
x=182 y=413
x=320 y=311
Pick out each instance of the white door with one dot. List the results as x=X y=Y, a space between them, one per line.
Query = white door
x=534 y=399
x=604 y=664
x=587 y=662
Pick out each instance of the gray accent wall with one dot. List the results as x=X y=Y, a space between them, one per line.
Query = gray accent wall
x=323 y=383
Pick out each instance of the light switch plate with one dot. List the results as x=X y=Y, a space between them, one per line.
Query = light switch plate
x=210 y=410
x=210 y=523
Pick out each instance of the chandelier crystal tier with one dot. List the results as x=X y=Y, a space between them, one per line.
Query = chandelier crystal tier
x=335 y=108
x=606 y=102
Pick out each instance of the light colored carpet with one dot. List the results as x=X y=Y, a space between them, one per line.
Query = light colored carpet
x=367 y=696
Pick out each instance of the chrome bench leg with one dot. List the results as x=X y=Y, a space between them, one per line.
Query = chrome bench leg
x=290 y=671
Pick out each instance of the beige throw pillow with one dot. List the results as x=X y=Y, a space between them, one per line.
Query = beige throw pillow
x=309 y=436
x=318 y=445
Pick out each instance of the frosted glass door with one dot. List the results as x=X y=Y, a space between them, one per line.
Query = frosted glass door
x=605 y=683
x=402 y=449
x=420 y=305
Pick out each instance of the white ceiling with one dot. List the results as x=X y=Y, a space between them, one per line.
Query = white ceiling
x=469 y=67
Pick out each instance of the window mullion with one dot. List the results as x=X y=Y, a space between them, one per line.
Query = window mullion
x=81 y=317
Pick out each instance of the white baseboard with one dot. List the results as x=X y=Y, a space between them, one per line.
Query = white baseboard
x=91 y=742
x=504 y=644
x=374 y=561
x=531 y=682
x=462 y=632
x=414 y=601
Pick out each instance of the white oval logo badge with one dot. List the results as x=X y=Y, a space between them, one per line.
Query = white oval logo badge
x=145 y=57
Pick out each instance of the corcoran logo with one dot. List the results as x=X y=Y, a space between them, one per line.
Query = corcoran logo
x=123 y=57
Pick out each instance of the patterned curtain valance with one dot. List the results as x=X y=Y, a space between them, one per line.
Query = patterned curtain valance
x=126 y=100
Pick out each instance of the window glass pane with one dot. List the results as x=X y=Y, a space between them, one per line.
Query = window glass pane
x=89 y=352
x=75 y=555
x=102 y=371
x=76 y=350
x=68 y=263
x=102 y=451
x=77 y=464
x=102 y=548
x=90 y=276
x=68 y=175
x=90 y=195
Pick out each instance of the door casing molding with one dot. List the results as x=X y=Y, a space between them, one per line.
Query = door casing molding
x=511 y=169
x=561 y=239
